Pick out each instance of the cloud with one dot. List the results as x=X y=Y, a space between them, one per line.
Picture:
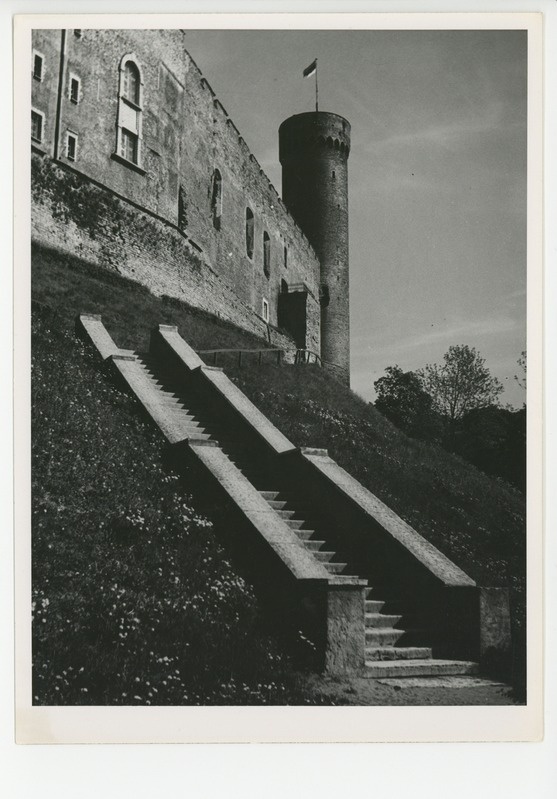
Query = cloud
x=455 y=332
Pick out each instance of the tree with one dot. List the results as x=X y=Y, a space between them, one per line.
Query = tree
x=460 y=384
x=494 y=440
x=521 y=379
x=402 y=399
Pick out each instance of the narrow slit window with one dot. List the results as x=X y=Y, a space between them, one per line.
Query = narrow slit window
x=37 y=126
x=266 y=254
x=71 y=146
x=286 y=257
x=182 y=211
x=266 y=310
x=38 y=65
x=74 y=89
x=216 y=199
x=249 y=232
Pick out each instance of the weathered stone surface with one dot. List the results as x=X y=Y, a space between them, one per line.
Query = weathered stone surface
x=188 y=356
x=279 y=536
x=345 y=628
x=249 y=413
x=393 y=526
x=146 y=392
x=90 y=326
x=495 y=627
x=217 y=381
x=155 y=223
x=314 y=150
x=416 y=668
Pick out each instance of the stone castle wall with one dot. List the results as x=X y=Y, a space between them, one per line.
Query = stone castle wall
x=159 y=227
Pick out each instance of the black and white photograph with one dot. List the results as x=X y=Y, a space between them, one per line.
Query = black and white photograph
x=281 y=291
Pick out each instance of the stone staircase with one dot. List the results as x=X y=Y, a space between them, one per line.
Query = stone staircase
x=375 y=596
x=391 y=648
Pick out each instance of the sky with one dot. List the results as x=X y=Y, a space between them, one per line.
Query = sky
x=437 y=178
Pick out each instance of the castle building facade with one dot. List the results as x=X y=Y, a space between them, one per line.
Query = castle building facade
x=138 y=168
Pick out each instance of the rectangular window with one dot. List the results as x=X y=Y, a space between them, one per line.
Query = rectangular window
x=37 y=121
x=129 y=146
x=74 y=89
x=265 y=310
x=71 y=146
x=38 y=63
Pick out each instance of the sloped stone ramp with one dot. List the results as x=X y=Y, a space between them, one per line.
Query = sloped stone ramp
x=377 y=597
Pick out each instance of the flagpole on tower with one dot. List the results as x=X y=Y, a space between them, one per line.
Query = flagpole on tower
x=316 y=90
x=309 y=71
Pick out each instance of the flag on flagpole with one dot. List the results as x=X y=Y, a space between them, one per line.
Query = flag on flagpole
x=311 y=69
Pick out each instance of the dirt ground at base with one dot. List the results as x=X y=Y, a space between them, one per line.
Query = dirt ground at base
x=407 y=691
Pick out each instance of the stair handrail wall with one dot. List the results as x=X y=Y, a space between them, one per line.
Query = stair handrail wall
x=302 y=591
x=472 y=621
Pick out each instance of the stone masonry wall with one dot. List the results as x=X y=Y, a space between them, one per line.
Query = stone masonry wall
x=186 y=135
x=88 y=221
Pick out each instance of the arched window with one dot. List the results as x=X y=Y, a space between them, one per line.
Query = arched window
x=130 y=112
x=216 y=199
x=131 y=83
x=249 y=232
x=266 y=254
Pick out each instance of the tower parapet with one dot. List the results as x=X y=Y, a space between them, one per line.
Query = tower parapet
x=313 y=151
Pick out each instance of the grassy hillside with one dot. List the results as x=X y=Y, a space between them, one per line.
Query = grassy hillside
x=92 y=451
x=135 y=600
x=129 y=310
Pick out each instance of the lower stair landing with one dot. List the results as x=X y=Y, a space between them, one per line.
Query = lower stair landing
x=423 y=667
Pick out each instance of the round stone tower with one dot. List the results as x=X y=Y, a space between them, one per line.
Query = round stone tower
x=313 y=151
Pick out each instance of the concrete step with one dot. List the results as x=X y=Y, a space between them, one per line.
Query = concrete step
x=184 y=414
x=375 y=620
x=189 y=425
x=286 y=514
x=314 y=545
x=170 y=401
x=418 y=668
x=397 y=653
x=323 y=556
x=269 y=494
x=285 y=504
x=305 y=535
x=373 y=605
x=335 y=568
x=294 y=524
x=415 y=636
x=382 y=636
